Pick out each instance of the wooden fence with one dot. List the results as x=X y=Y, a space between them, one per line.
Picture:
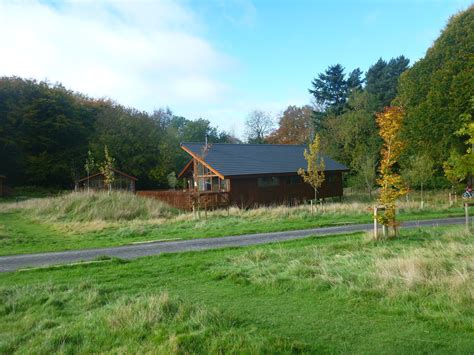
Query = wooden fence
x=175 y=198
x=188 y=199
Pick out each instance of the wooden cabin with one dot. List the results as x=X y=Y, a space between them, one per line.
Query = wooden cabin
x=256 y=174
x=2 y=185
x=96 y=182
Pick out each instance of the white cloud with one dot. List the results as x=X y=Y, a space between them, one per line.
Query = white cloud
x=145 y=54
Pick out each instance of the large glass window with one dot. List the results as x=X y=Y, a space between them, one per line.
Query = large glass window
x=268 y=181
x=208 y=181
x=205 y=184
x=202 y=170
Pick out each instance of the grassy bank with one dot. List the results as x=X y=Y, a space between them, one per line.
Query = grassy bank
x=76 y=221
x=328 y=295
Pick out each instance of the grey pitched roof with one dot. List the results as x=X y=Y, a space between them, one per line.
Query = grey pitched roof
x=254 y=159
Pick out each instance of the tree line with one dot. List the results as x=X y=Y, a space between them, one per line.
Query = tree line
x=46 y=132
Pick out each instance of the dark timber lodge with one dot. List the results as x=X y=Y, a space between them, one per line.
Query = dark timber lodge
x=122 y=182
x=251 y=174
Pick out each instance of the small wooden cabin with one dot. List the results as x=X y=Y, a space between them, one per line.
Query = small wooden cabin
x=256 y=174
x=122 y=181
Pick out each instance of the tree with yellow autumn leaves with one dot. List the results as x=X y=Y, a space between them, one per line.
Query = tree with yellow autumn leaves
x=390 y=122
x=314 y=173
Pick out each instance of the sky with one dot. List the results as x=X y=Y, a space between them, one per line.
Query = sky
x=212 y=59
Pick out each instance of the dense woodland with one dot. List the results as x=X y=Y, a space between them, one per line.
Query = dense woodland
x=47 y=130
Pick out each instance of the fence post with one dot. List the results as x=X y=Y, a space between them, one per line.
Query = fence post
x=466 y=214
x=375 y=224
x=312 y=207
x=377 y=209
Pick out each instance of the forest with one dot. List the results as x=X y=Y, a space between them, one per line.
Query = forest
x=47 y=130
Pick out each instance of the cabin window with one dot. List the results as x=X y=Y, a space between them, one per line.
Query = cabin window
x=331 y=178
x=206 y=184
x=215 y=184
x=293 y=180
x=121 y=183
x=206 y=181
x=224 y=184
x=202 y=170
x=268 y=181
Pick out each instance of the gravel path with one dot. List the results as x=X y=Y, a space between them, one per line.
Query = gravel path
x=15 y=262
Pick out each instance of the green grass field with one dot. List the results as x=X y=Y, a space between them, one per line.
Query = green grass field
x=77 y=221
x=413 y=294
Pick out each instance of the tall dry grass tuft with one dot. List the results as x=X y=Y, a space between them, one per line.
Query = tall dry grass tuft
x=296 y=267
x=97 y=206
x=142 y=312
x=409 y=270
x=443 y=268
x=443 y=265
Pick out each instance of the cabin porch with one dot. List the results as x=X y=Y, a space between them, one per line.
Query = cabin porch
x=190 y=199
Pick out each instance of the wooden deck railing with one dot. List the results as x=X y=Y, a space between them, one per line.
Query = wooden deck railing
x=206 y=200
x=185 y=199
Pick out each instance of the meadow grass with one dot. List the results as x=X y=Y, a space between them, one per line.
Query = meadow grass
x=413 y=294
x=444 y=270
x=93 y=206
x=148 y=323
x=82 y=220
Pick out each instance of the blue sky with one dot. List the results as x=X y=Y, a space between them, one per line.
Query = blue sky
x=282 y=45
x=213 y=59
